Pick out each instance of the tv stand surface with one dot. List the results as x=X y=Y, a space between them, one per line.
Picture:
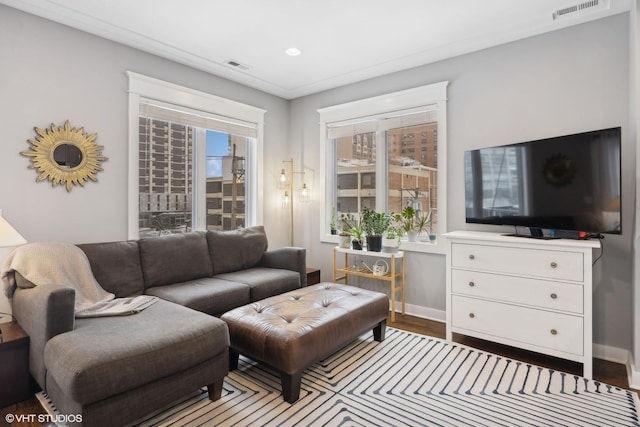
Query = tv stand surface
x=532 y=293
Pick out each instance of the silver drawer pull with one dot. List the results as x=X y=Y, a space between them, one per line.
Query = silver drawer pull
x=554 y=332
x=554 y=264
x=472 y=256
x=554 y=296
x=472 y=284
x=471 y=315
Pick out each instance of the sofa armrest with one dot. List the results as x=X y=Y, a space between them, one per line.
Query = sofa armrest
x=288 y=258
x=43 y=312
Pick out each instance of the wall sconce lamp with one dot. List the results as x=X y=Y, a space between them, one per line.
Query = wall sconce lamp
x=285 y=182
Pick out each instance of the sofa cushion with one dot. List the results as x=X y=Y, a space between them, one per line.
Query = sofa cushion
x=174 y=258
x=210 y=295
x=265 y=282
x=116 y=267
x=106 y=356
x=236 y=249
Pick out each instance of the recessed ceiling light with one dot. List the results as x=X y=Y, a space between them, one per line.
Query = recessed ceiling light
x=293 y=51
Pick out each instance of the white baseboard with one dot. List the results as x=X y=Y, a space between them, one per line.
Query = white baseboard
x=422 y=312
x=632 y=373
x=622 y=356
x=611 y=354
x=600 y=351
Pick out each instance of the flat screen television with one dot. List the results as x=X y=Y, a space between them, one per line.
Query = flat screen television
x=568 y=183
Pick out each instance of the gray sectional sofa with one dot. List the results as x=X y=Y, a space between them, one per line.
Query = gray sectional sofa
x=114 y=370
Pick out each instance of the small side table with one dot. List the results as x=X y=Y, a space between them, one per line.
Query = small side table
x=313 y=276
x=395 y=277
x=14 y=364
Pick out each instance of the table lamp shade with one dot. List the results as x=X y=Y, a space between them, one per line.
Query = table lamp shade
x=8 y=235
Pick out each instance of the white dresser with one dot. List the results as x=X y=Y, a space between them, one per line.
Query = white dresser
x=527 y=293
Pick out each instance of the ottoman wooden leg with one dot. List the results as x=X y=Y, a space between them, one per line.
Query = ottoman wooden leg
x=291 y=386
x=233 y=359
x=379 y=331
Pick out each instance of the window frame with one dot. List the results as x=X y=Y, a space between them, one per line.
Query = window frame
x=423 y=96
x=143 y=87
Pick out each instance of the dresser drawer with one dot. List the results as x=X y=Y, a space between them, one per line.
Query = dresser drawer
x=520 y=290
x=561 y=332
x=521 y=261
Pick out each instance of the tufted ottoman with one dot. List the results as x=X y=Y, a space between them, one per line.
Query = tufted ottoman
x=291 y=331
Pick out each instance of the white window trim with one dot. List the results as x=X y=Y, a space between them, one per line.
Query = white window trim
x=141 y=87
x=384 y=104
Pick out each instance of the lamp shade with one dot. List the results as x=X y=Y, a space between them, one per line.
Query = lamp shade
x=283 y=180
x=305 y=194
x=285 y=199
x=8 y=235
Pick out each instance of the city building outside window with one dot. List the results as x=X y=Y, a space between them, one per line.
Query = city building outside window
x=166 y=173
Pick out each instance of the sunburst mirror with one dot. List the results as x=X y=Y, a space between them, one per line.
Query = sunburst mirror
x=65 y=155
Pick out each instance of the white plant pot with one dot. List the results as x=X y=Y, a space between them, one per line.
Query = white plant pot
x=345 y=241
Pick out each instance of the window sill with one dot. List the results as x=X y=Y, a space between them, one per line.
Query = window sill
x=420 y=247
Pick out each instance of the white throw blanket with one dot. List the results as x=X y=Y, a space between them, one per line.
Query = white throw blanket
x=45 y=263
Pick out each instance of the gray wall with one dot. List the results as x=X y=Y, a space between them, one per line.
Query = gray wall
x=563 y=82
x=51 y=73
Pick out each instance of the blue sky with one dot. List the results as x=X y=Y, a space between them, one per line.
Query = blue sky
x=217 y=146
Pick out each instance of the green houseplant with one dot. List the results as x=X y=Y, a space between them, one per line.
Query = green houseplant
x=374 y=224
x=409 y=218
x=358 y=237
x=415 y=222
x=424 y=223
x=394 y=233
x=353 y=226
x=332 y=223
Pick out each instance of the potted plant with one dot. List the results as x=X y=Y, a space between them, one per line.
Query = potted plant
x=409 y=222
x=358 y=237
x=352 y=225
x=393 y=234
x=374 y=225
x=423 y=222
x=345 y=239
x=332 y=224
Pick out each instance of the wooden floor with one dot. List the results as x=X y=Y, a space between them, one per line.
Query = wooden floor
x=607 y=372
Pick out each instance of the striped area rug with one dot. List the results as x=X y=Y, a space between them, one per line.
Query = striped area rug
x=409 y=380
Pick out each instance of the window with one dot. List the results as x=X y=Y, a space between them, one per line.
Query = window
x=382 y=153
x=193 y=165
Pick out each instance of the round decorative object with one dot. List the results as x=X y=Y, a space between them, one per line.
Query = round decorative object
x=559 y=170
x=65 y=155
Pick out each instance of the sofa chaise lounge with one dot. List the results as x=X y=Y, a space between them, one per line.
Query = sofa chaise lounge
x=114 y=370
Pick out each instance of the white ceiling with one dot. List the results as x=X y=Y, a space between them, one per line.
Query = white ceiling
x=343 y=41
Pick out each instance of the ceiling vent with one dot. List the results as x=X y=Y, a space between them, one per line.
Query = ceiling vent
x=235 y=64
x=586 y=6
